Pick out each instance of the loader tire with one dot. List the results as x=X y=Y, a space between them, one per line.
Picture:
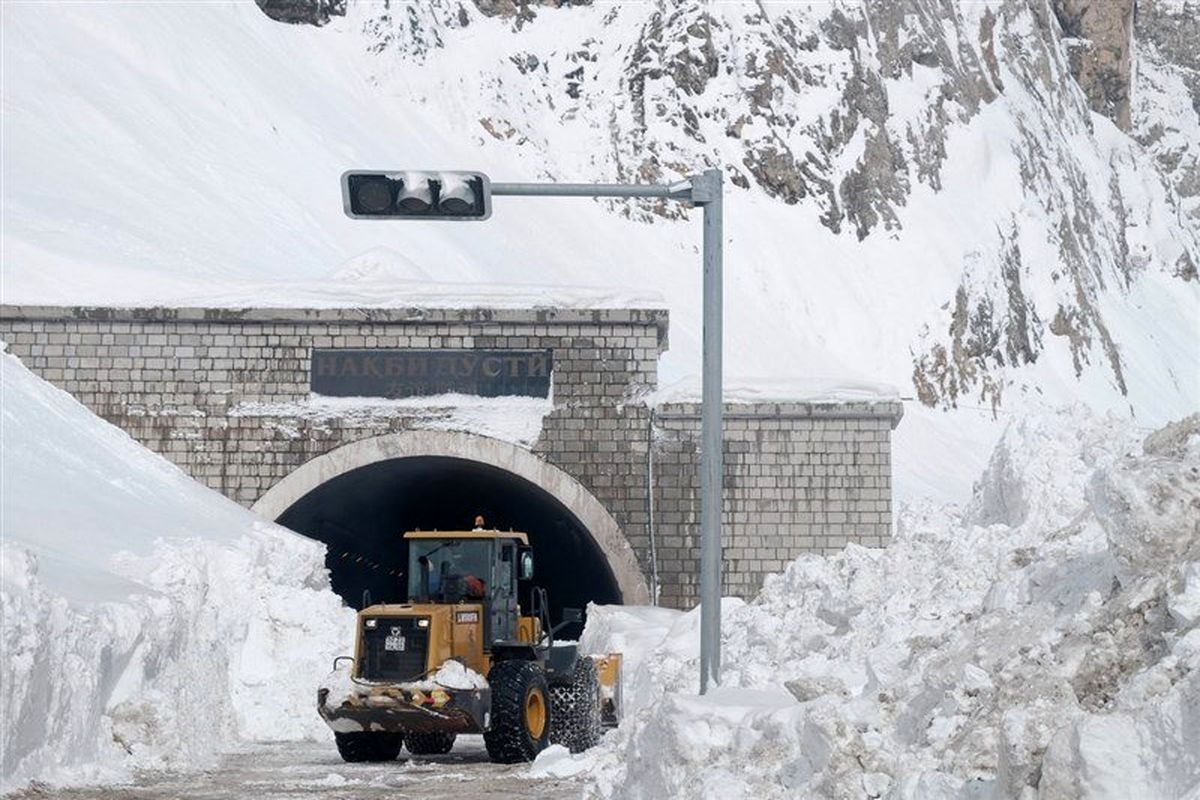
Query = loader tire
x=575 y=708
x=369 y=746
x=521 y=713
x=429 y=744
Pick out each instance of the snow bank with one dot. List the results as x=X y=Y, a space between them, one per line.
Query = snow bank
x=1041 y=643
x=147 y=621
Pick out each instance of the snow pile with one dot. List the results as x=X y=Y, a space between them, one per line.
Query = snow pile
x=341 y=685
x=1043 y=642
x=455 y=675
x=556 y=762
x=338 y=685
x=147 y=621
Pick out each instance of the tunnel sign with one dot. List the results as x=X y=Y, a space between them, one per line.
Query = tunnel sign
x=420 y=373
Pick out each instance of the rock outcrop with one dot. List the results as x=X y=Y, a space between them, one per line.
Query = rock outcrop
x=1166 y=97
x=1098 y=37
x=302 y=12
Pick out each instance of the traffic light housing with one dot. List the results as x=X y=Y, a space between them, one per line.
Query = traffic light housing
x=416 y=195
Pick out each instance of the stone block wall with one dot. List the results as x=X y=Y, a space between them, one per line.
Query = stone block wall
x=798 y=477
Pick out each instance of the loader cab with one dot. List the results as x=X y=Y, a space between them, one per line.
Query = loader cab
x=477 y=566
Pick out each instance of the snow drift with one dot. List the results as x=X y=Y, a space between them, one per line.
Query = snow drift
x=1043 y=642
x=147 y=620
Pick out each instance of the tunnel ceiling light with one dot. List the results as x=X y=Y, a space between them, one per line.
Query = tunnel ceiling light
x=411 y=194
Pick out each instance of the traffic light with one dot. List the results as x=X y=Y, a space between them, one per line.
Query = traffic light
x=416 y=195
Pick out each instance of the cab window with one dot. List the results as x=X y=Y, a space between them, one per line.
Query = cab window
x=506 y=571
x=448 y=570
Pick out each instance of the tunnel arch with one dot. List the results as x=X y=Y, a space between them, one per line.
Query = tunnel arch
x=496 y=454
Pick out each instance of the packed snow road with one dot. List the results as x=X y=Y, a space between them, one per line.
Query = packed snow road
x=288 y=770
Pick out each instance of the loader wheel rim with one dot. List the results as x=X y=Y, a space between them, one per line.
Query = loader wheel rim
x=535 y=713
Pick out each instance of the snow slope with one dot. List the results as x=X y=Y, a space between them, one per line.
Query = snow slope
x=147 y=620
x=1042 y=642
x=919 y=199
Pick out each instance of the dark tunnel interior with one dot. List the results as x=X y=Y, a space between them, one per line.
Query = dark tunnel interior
x=363 y=514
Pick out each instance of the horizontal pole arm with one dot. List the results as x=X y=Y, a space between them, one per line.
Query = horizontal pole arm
x=681 y=191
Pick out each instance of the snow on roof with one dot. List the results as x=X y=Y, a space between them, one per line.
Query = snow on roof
x=379 y=291
x=750 y=390
x=511 y=419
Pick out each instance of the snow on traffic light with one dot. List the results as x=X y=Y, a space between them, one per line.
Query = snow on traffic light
x=404 y=194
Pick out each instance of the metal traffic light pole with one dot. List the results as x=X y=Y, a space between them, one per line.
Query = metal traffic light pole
x=705 y=191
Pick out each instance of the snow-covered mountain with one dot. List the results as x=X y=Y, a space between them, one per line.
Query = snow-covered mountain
x=888 y=123
x=918 y=192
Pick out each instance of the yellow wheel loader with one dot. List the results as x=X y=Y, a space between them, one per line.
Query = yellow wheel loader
x=461 y=656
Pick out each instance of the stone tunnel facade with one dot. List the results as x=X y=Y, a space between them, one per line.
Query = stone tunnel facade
x=228 y=396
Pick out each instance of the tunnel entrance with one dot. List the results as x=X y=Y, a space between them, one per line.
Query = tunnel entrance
x=362 y=514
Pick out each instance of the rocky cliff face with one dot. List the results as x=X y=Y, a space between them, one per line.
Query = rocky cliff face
x=1166 y=95
x=852 y=113
x=1138 y=63
x=1098 y=38
x=302 y=12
